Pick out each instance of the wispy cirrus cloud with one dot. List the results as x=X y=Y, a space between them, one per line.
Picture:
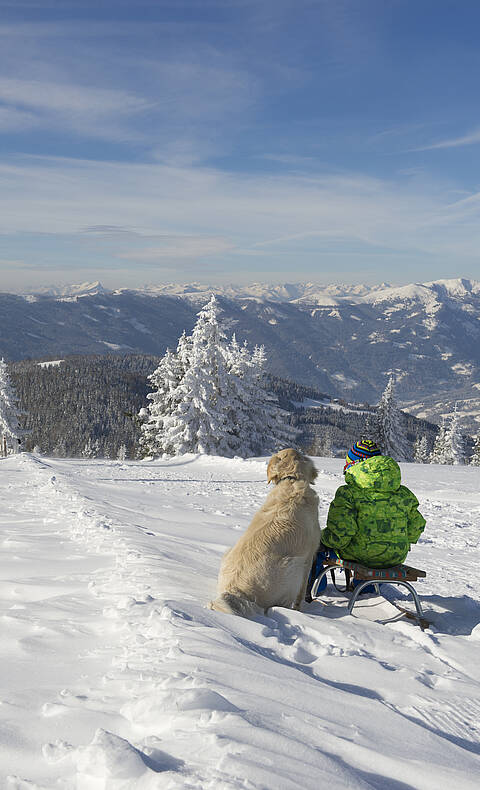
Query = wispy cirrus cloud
x=153 y=212
x=455 y=142
x=181 y=115
x=67 y=98
x=84 y=109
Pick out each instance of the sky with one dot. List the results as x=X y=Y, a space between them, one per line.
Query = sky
x=153 y=141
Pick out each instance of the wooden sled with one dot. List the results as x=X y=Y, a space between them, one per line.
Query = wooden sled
x=400 y=575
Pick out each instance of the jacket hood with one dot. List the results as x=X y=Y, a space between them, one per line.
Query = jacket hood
x=380 y=473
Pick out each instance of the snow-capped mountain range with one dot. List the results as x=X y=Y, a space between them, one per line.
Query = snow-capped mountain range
x=342 y=339
x=296 y=293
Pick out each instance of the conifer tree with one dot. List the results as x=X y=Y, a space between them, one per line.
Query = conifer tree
x=327 y=450
x=91 y=449
x=269 y=424
x=60 y=449
x=210 y=399
x=165 y=378
x=198 y=421
x=438 y=454
x=475 y=459
x=323 y=445
x=10 y=413
x=371 y=430
x=421 y=454
x=454 y=443
x=240 y=394
x=389 y=426
x=122 y=453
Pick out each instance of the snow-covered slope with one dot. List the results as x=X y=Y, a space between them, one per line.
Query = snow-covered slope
x=114 y=675
x=425 y=293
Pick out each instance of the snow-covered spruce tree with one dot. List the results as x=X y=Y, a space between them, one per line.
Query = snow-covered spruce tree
x=475 y=459
x=60 y=449
x=202 y=401
x=165 y=378
x=241 y=383
x=420 y=450
x=91 y=449
x=438 y=454
x=10 y=431
x=322 y=444
x=327 y=446
x=389 y=426
x=454 y=443
x=371 y=430
x=268 y=426
x=122 y=453
x=209 y=399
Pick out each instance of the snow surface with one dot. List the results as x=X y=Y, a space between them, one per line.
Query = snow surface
x=115 y=346
x=115 y=676
x=312 y=403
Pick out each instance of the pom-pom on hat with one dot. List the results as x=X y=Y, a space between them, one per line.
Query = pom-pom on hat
x=361 y=450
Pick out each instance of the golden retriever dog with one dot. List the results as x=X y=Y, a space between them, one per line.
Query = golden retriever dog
x=270 y=564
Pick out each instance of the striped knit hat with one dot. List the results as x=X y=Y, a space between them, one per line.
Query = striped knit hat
x=361 y=450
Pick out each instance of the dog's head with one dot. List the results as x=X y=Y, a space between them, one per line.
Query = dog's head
x=290 y=463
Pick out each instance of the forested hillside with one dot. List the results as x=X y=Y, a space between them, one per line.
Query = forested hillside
x=427 y=334
x=87 y=405
x=83 y=398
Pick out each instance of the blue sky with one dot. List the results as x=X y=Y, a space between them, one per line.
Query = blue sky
x=148 y=141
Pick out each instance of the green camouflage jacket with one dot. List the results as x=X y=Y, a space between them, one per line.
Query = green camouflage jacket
x=373 y=519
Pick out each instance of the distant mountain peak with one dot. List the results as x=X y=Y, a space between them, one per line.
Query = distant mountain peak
x=306 y=293
x=66 y=291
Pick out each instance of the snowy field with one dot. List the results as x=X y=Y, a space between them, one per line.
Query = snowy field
x=115 y=676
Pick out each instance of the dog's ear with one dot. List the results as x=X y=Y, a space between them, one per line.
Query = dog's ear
x=272 y=469
x=286 y=463
x=312 y=472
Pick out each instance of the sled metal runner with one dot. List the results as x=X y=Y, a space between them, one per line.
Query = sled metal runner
x=400 y=575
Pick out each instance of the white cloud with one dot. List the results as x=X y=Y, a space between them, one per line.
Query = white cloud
x=201 y=212
x=456 y=142
x=159 y=83
x=67 y=98
x=89 y=111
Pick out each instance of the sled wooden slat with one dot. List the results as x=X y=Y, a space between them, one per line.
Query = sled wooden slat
x=400 y=575
x=406 y=572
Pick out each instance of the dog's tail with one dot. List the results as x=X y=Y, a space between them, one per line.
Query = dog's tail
x=230 y=603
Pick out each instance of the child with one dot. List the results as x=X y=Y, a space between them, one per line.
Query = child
x=372 y=519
